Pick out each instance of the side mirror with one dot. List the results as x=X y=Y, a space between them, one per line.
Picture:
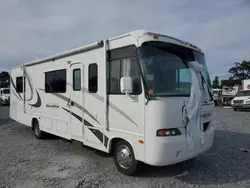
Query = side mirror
x=126 y=85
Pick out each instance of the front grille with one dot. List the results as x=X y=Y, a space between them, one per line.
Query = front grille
x=205 y=126
x=238 y=101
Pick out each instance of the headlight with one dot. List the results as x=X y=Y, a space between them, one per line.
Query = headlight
x=247 y=102
x=168 y=132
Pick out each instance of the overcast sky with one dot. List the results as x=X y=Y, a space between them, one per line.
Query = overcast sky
x=33 y=29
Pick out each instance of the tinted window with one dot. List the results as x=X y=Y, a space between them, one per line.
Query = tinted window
x=114 y=77
x=93 y=78
x=55 y=81
x=76 y=79
x=19 y=84
x=124 y=67
x=6 y=91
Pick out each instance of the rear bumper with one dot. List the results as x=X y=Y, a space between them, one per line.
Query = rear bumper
x=169 y=151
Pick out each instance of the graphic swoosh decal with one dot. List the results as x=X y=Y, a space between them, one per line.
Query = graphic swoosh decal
x=97 y=133
x=111 y=105
x=75 y=104
x=13 y=85
x=98 y=97
x=27 y=76
x=39 y=102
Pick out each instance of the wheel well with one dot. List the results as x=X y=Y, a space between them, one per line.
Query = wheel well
x=113 y=143
x=33 y=122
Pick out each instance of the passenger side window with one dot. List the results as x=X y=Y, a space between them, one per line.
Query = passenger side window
x=124 y=67
x=19 y=84
x=77 y=79
x=183 y=80
x=93 y=78
x=55 y=81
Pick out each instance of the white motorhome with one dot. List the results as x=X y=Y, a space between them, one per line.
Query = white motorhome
x=125 y=95
x=4 y=96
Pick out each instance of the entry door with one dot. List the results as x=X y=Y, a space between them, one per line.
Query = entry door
x=76 y=100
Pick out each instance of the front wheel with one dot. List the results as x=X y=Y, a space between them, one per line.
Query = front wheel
x=124 y=158
x=37 y=132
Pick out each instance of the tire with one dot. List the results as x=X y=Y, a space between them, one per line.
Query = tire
x=125 y=149
x=215 y=103
x=235 y=109
x=36 y=130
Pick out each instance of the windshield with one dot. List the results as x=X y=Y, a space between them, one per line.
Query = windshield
x=243 y=93
x=6 y=91
x=201 y=59
x=165 y=68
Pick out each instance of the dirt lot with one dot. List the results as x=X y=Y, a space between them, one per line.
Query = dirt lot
x=55 y=162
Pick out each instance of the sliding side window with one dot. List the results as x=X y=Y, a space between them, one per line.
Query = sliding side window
x=93 y=78
x=77 y=79
x=55 y=81
x=19 y=84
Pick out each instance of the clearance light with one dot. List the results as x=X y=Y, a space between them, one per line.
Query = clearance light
x=155 y=36
x=168 y=132
x=151 y=92
x=191 y=45
x=141 y=141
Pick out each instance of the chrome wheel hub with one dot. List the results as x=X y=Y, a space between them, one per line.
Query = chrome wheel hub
x=124 y=157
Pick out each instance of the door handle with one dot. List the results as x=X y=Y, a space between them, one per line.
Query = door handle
x=70 y=103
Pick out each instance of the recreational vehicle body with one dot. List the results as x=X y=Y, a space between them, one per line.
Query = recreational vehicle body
x=123 y=95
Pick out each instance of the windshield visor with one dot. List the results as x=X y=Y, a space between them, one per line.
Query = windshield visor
x=165 y=68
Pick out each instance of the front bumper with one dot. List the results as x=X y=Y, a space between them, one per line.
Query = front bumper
x=241 y=105
x=167 y=151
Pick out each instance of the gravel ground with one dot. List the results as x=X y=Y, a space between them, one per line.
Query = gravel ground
x=55 y=162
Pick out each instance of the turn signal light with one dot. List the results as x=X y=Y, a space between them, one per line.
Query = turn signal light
x=168 y=132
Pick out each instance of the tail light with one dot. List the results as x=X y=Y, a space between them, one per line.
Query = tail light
x=168 y=132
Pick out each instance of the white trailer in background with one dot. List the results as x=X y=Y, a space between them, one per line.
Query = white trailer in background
x=246 y=84
x=124 y=95
x=217 y=96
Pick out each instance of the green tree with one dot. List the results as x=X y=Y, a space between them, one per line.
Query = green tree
x=240 y=71
x=216 y=83
x=4 y=79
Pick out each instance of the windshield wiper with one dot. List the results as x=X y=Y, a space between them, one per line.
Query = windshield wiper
x=209 y=92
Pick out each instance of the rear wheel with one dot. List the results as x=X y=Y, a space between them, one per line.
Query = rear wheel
x=124 y=158
x=235 y=109
x=36 y=130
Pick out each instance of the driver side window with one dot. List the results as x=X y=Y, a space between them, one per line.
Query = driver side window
x=123 y=62
x=121 y=68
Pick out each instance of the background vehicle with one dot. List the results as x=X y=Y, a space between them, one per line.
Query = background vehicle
x=217 y=96
x=5 y=96
x=242 y=100
x=124 y=95
x=229 y=90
